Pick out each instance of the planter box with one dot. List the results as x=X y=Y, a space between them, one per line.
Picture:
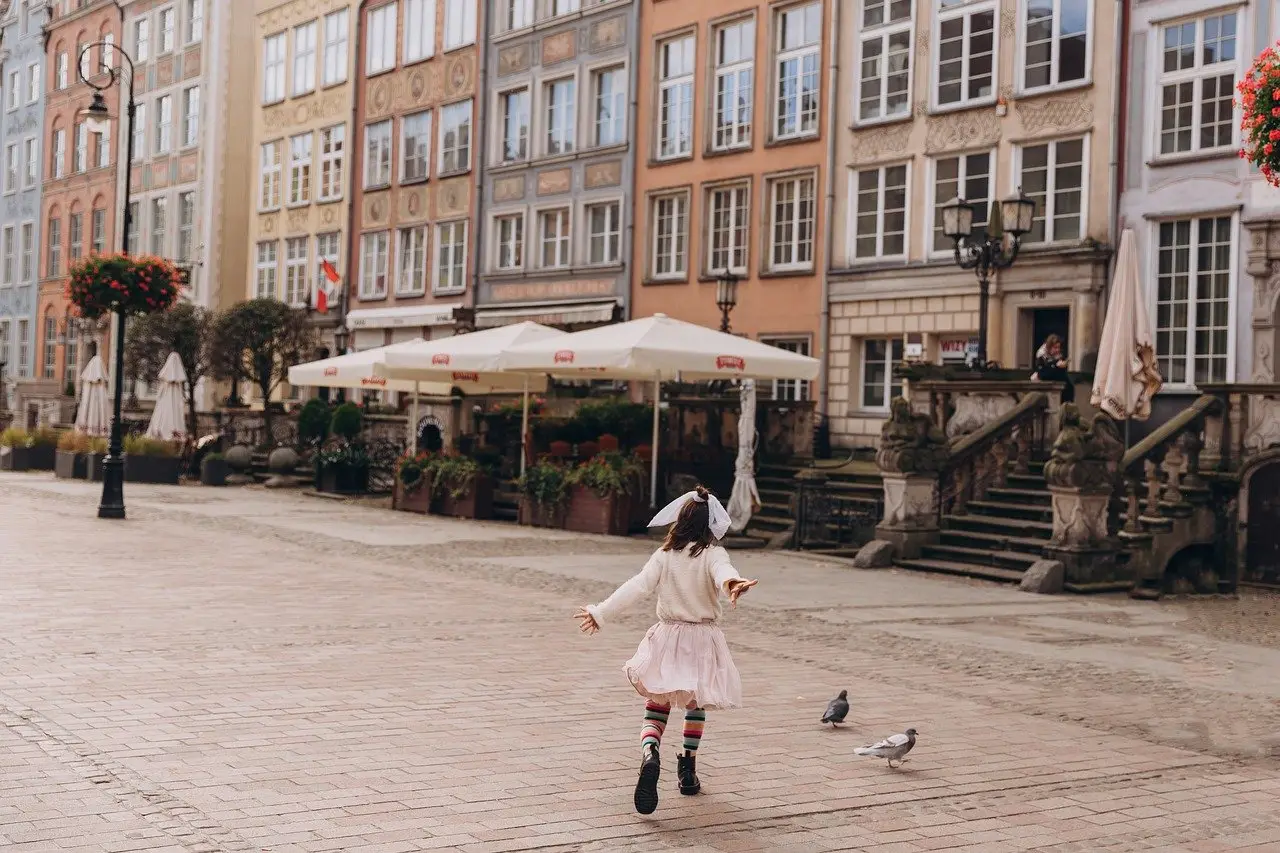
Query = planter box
x=418 y=501
x=71 y=466
x=476 y=503
x=93 y=466
x=343 y=479
x=531 y=514
x=40 y=458
x=162 y=470
x=214 y=472
x=590 y=513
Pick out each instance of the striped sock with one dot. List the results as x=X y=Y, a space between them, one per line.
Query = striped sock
x=655 y=723
x=694 y=721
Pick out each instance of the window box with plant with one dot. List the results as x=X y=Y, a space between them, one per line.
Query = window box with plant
x=544 y=490
x=462 y=487
x=413 y=483
x=342 y=467
x=147 y=460
x=214 y=470
x=21 y=450
x=600 y=494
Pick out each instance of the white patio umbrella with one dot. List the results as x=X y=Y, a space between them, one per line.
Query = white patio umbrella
x=93 y=417
x=1127 y=376
x=657 y=349
x=168 y=422
x=745 y=498
x=476 y=356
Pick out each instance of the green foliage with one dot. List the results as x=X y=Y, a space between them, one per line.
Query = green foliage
x=347 y=421
x=350 y=455
x=455 y=474
x=19 y=437
x=102 y=284
x=15 y=437
x=412 y=471
x=545 y=484
x=140 y=445
x=314 y=421
x=45 y=437
x=630 y=422
x=607 y=474
x=185 y=329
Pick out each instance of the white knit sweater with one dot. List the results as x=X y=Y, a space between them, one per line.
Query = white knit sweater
x=688 y=587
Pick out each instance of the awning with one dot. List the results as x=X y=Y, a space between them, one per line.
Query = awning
x=439 y=314
x=547 y=314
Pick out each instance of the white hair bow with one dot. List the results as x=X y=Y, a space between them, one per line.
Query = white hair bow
x=719 y=515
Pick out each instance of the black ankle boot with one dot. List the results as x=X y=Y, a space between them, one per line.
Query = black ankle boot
x=646 y=798
x=687 y=770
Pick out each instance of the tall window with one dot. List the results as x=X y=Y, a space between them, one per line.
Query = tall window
x=304 y=58
x=880 y=221
x=76 y=229
x=553 y=227
x=509 y=231
x=164 y=124
x=71 y=359
x=140 y=133
x=98 y=242
x=561 y=115
x=515 y=15
x=103 y=157
x=295 y=270
x=798 y=46
x=373 y=264
x=1052 y=175
x=28 y=251
x=968 y=177
x=273 y=50
x=5 y=354
x=50 y=368
x=380 y=47
x=1197 y=81
x=377 y=154
x=411 y=272
x=879 y=387
x=455 y=137
x=24 y=348
x=267 y=268
x=459 y=23
x=419 y=29
x=80 y=160
x=729 y=228
x=11 y=167
x=190 y=116
x=108 y=50
x=515 y=125
x=195 y=21
x=451 y=257
x=735 y=84
x=142 y=39
x=790 y=389
x=186 y=226
x=31 y=151
x=269 y=176
x=300 y=168
x=1055 y=42
x=885 y=70
x=604 y=233
x=670 y=236
x=159 y=226
x=55 y=246
x=1193 y=299
x=10 y=249
x=792 y=223
x=60 y=81
x=610 y=88
x=335 y=47
x=167 y=25
x=15 y=89
x=328 y=248
x=966 y=54
x=415 y=146
x=58 y=158
x=563 y=7
x=332 y=162
x=135 y=223
x=675 y=97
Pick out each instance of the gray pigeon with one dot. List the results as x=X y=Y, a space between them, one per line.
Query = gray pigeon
x=894 y=747
x=837 y=709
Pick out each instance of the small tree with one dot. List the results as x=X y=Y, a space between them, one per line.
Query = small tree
x=258 y=341
x=184 y=329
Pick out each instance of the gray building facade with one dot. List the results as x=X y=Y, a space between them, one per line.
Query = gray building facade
x=22 y=89
x=555 y=229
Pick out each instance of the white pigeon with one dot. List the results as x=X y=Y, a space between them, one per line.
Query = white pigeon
x=893 y=748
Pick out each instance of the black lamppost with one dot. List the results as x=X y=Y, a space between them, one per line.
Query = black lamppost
x=990 y=253
x=340 y=338
x=726 y=296
x=98 y=120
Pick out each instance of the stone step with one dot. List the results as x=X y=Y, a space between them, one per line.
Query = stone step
x=1039 y=497
x=1033 y=482
x=972 y=570
x=987 y=541
x=1011 y=510
x=1007 y=526
x=1015 y=560
x=771 y=523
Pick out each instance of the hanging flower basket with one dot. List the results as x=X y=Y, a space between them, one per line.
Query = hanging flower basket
x=103 y=284
x=1260 y=101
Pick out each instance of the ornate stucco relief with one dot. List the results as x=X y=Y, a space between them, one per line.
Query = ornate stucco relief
x=603 y=175
x=1056 y=115
x=958 y=131
x=878 y=142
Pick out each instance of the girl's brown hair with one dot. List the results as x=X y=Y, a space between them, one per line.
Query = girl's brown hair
x=692 y=527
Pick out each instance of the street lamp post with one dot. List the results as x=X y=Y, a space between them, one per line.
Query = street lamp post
x=726 y=296
x=98 y=120
x=992 y=252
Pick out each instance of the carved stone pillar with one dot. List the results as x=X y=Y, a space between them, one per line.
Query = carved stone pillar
x=910 y=512
x=1263 y=264
x=1080 y=539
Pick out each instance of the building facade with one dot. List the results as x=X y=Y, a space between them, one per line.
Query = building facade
x=301 y=102
x=1207 y=224
x=733 y=124
x=560 y=145
x=975 y=100
x=21 y=119
x=412 y=171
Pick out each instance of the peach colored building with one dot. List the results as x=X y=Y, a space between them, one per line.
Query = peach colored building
x=732 y=118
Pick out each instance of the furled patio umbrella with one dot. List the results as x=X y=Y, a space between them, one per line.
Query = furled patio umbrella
x=1126 y=377
x=167 y=420
x=745 y=499
x=93 y=417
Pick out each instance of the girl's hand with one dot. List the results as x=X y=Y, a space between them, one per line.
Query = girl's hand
x=587 y=622
x=736 y=588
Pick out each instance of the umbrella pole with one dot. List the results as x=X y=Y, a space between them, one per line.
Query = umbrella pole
x=653 y=467
x=524 y=428
x=413 y=427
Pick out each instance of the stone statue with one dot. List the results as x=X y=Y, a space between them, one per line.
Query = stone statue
x=1084 y=457
x=910 y=443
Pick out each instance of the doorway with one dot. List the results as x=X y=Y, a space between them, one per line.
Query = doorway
x=1038 y=324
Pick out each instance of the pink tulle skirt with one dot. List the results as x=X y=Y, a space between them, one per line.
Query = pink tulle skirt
x=679 y=663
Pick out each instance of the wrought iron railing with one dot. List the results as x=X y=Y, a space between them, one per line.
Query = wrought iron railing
x=830 y=516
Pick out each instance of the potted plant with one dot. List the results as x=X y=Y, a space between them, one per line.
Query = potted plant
x=600 y=492
x=313 y=422
x=463 y=487
x=413 y=483
x=343 y=469
x=21 y=450
x=214 y=470
x=149 y=460
x=544 y=489
x=71 y=462
x=93 y=460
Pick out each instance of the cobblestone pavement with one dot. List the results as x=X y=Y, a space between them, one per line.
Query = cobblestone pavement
x=251 y=671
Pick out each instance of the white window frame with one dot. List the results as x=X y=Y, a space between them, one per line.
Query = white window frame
x=419 y=30
x=377 y=167
x=57 y=156
x=455 y=248
x=782 y=55
x=375 y=262
x=1020 y=59
x=31 y=151
x=1046 y=211
x=104 y=147
x=98 y=230
x=617 y=109
x=678 y=91
x=274 y=55
x=791 y=390
x=167 y=29
x=740 y=243
x=883 y=33
x=851 y=236
x=10 y=253
x=1196 y=75
x=304 y=58
x=443 y=149
x=80 y=160
x=54 y=240
x=333 y=165
x=75 y=236
x=510 y=245
x=556 y=8
x=301 y=157
x=142 y=39
x=935 y=71
x=63 y=70
x=612 y=231
x=678 y=257
x=186 y=226
x=159 y=226
x=411 y=278
x=194 y=21
x=190 y=117
x=560 y=123
x=728 y=80
x=164 y=124
x=33 y=82
x=380 y=39
x=15 y=90
x=935 y=202
x=523 y=133
x=772 y=183
x=12 y=168
x=422 y=153
x=323 y=242
x=561 y=244
x=271 y=176
x=336 y=30
x=459 y=23
x=140 y=135
x=296 y=271
x=267 y=269
x=515 y=15
x=890 y=342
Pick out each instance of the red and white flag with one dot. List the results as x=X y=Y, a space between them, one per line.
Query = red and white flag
x=322 y=293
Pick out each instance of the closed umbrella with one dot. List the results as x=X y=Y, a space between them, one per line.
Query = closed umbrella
x=745 y=499
x=93 y=417
x=1126 y=377
x=167 y=420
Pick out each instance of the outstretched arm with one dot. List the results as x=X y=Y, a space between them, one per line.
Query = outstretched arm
x=593 y=616
x=727 y=577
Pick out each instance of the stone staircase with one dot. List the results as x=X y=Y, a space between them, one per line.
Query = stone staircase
x=858 y=482
x=506 y=501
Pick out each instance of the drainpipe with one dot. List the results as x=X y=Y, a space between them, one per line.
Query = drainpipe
x=633 y=117
x=353 y=262
x=480 y=144
x=828 y=203
x=1119 y=104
